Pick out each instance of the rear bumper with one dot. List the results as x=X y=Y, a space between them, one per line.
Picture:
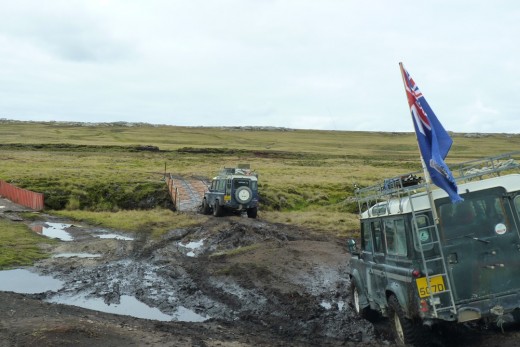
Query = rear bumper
x=490 y=308
x=241 y=207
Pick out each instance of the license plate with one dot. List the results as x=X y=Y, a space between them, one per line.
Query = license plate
x=436 y=283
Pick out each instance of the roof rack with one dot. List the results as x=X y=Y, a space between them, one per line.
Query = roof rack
x=241 y=169
x=464 y=172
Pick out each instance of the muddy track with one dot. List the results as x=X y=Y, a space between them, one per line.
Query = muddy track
x=229 y=282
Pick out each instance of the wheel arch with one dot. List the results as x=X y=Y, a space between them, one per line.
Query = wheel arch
x=355 y=279
x=400 y=292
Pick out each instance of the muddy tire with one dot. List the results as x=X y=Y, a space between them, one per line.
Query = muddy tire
x=252 y=212
x=406 y=331
x=217 y=209
x=205 y=207
x=366 y=312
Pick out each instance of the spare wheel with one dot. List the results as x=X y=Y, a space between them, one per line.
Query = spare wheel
x=243 y=194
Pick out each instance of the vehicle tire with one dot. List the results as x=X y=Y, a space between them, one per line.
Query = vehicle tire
x=366 y=312
x=406 y=331
x=252 y=212
x=205 y=207
x=217 y=209
x=243 y=194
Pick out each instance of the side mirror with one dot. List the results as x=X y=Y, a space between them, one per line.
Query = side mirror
x=351 y=246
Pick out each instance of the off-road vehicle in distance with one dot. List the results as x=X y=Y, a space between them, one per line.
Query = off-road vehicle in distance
x=424 y=260
x=233 y=189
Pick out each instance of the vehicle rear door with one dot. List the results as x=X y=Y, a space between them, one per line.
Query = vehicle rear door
x=481 y=244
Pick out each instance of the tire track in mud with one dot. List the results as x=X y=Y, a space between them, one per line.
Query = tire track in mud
x=246 y=272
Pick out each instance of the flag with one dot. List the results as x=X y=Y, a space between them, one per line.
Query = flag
x=434 y=141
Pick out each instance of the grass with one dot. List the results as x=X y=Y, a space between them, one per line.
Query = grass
x=236 y=251
x=19 y=246
x=156 y=222
x=96 y=173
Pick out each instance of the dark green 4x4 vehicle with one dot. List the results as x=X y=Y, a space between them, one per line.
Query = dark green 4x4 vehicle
x=424 y=260
x=233 y=189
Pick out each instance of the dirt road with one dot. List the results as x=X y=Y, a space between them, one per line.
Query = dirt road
x=230 y=282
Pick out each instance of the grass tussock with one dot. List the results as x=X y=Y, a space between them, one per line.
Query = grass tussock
x=336 y=223
x=155 y=222
x=236 y=251
x=19 y=246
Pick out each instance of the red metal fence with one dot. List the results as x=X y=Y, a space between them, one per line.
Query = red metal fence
x=21 y=196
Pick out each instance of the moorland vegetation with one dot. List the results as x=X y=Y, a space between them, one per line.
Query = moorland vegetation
x=112 y=174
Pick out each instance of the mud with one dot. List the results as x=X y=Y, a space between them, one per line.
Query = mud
x=232 y=281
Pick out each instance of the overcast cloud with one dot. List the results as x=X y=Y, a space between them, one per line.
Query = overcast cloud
x=330 y=64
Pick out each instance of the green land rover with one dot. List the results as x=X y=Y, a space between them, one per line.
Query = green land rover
x=423 y=260
x=233 y=189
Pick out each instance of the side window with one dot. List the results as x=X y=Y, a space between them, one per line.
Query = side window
x=366 y=238
x=424 y=233
x=378 y=236
x=517 y=205
x=395 y=237
x=228 y=186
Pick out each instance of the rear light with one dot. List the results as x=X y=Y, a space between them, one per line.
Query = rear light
x=424 y=306
x=416 y=273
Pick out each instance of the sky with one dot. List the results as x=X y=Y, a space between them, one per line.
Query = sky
x=303 y=64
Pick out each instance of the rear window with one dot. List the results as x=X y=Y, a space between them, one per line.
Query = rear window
x=244 y=182
x=478 y=215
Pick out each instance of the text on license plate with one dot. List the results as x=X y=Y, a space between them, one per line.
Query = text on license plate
x=436 y=283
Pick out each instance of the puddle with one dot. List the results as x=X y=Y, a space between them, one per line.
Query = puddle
x=129 y=306
x=54 y=230
x=115 y=236
x=326 y=305
x=193 y=245
x=341 y=305
x=184 y=314
x=27 y=282
x=76 y=255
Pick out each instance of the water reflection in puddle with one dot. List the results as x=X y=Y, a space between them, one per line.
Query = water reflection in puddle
x=57 y=230
x=76 y=255
x=193 y=245
x=115 y=236
x=327 y=305
x=184 y=314
x=129 y=306
x=53 y=230
x=27 y=282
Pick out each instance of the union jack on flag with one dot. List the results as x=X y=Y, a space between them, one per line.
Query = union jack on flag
x=434 y=141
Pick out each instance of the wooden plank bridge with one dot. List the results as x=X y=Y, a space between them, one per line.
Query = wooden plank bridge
x=186 y=192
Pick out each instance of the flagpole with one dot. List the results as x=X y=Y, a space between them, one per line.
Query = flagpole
x=427 y=177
